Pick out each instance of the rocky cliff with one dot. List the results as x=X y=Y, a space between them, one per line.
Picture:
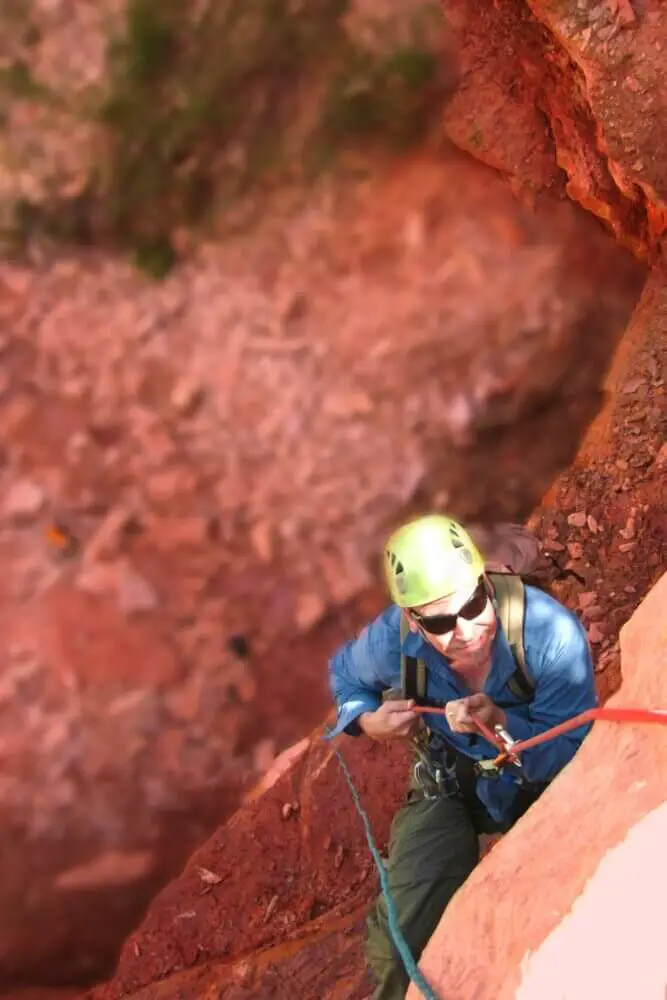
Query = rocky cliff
x=197 y=476
x=569 y=91
x=273 y=904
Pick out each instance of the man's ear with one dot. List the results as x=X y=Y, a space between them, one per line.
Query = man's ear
x=412 y=624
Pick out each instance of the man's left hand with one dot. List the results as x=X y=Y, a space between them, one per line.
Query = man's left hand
x=459 y=713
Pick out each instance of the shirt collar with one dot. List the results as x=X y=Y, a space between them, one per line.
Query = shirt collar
x=415 y=645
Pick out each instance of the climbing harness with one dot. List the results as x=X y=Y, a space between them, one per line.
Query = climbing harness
x=508 y=750
x=432 y=775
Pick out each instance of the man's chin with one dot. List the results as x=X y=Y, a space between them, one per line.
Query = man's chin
x=471 y=653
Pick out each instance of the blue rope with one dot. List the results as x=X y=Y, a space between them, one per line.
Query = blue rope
x=401 y=944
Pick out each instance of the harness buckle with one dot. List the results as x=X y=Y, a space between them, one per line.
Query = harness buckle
x=433 y=777
x=487 y=769
x=421 y=774
x=493 y=768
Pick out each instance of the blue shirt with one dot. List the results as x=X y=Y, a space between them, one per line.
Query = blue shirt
x=558 y=659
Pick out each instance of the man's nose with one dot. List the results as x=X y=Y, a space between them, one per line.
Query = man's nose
x=465 y=630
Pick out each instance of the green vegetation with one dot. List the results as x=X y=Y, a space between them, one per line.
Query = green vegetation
x=387 y=96
x=209 y=107
x=209 y=102
x=16 y=80
x=476 y=137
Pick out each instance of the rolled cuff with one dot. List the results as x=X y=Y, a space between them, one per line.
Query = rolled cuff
x=350 y=711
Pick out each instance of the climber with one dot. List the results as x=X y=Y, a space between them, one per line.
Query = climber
x=456 y=635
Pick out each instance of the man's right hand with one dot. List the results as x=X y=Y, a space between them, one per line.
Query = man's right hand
x=391 y=719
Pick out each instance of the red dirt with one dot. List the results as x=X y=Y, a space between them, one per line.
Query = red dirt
x=620 y=481
x=315 y=876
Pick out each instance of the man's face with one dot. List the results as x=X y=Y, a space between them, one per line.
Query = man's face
x=469 y=641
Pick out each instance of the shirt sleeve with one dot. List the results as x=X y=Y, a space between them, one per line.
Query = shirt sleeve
x=363 y=668
x=565 y=687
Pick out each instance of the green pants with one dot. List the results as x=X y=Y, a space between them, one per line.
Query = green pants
x=433 y=848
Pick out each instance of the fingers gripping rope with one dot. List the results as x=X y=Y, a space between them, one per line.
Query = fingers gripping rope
x=630 y=716
x=411 y=966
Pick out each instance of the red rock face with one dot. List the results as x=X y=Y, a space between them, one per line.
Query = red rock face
x=460 y=347
x=564 y=94
x=448 y=366
x=625 y=881
x=574 y=918
x=283 y=763
x=619 y=50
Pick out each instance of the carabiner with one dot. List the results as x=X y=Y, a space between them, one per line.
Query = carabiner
x=508 y=742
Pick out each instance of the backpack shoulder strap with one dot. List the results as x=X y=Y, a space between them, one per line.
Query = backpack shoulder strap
x=413 y=671
x=510 y=594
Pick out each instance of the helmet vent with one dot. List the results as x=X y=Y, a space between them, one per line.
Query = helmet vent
x=395 y=563
x=457 y=541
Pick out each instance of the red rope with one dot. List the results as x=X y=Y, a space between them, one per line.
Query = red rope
x=622 y=715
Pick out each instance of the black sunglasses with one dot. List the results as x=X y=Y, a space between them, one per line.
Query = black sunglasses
x=442 y=624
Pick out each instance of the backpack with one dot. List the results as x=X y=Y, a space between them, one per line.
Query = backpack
x=512 y=554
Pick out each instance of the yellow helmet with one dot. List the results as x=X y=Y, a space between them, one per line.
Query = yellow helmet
x=429 y=558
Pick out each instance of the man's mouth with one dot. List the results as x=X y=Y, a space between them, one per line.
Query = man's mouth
x=470 y=647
